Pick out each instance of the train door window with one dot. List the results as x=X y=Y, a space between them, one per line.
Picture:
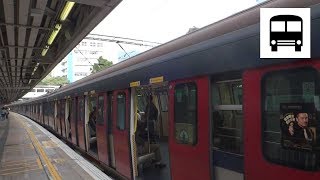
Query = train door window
x=185 y=113
x=227 y=116
x=121 y=111
x=100 y=115
x=293 y=139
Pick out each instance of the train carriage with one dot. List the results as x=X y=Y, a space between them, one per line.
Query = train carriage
x=220 y=107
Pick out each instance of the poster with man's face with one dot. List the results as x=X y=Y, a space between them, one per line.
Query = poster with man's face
x=298 y=125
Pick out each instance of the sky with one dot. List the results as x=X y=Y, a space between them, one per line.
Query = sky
x=163 y=20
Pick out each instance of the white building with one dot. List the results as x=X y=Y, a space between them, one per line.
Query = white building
x=78 y=63
x=39 y=91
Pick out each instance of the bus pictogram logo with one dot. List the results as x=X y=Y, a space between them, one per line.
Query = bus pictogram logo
x=286 y=30
x=285 y=33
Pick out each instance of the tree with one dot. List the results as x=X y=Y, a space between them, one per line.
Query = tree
x=57 y=81
x=101 y=65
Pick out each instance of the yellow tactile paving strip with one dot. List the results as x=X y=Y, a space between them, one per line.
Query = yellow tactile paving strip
x=54 y=173
x=21 y=166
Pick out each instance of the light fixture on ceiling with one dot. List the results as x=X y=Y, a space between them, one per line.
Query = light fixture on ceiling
x=66 y=10
x=54 y=34
x=44 y=51
x=63 y=16
x=35 y=69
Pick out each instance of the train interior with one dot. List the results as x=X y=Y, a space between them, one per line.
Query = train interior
x=90 y=124
x=151 y=132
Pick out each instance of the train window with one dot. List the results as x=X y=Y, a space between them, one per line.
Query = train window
x=227 y=116
x=185 y=113
x=40 y=90
x=293 y=139
x=33 y=90
x=100 y=118
x=121 y=111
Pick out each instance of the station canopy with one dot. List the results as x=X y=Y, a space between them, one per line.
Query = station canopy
x=35 y=35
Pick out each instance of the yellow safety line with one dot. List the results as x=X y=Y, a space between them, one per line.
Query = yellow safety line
x=19 y=171
x=44 y=156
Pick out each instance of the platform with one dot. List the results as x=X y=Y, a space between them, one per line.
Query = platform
x=28 y=151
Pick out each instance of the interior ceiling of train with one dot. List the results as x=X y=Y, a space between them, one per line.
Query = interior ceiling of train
x=35 y=35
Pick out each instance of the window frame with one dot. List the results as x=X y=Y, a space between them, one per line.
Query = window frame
x=263 y=120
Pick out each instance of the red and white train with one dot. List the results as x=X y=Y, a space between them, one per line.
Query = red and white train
x=220 y=106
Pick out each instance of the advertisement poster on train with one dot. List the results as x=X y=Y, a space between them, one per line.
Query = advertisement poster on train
x=298 y=125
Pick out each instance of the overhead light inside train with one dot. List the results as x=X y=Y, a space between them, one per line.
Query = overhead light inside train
x=66 y=10
x=54 y=34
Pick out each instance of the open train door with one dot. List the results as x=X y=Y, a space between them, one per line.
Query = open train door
x=281 y=110
x=121 y=127
x=189 y=129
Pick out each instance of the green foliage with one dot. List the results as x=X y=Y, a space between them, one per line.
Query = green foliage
x=101 y=65
x=49 y=80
